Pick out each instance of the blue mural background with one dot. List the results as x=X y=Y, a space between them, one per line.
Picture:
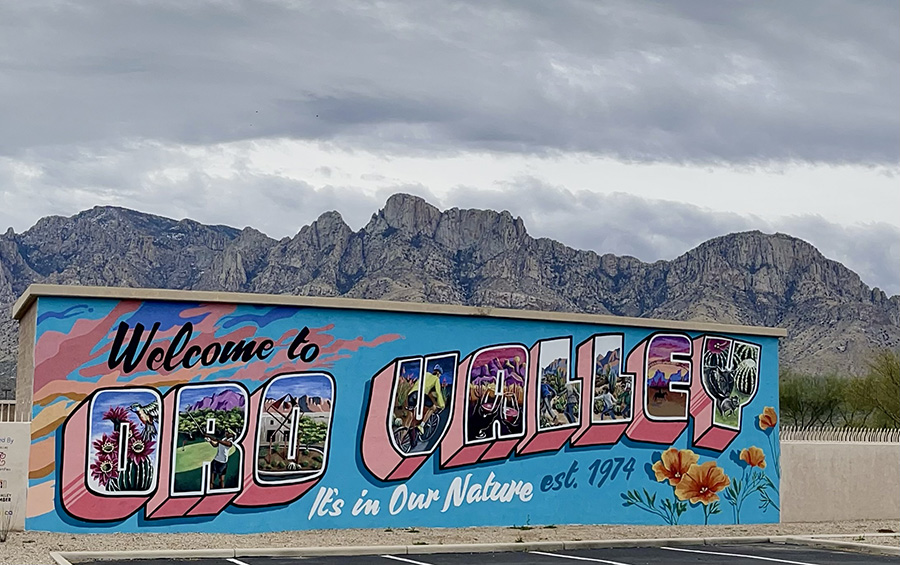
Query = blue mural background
x=353 y=362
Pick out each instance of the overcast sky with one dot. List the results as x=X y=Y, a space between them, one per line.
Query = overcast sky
x=639 y=128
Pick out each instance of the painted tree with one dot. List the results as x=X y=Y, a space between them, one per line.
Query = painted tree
x=311 y=432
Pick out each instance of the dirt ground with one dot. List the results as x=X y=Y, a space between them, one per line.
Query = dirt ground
x=891 y=541
x=32 y=548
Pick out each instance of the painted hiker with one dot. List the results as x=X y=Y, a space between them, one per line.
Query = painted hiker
x=624 y=402
x=547 y=396
x=609 y=403
x=219 y=463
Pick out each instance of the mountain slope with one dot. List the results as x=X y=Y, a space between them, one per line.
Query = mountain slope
x=411 y=251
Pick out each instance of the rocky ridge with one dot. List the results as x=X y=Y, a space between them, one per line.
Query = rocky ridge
x=411 y=251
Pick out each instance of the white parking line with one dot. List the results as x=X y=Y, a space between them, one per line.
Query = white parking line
x=760 y=558
x=237 y=561
x=395 y=558
x=577 y=558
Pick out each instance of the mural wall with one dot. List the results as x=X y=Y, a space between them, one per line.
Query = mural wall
x=173 y=416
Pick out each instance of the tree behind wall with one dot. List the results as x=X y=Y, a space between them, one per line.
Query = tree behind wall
x=880 y=389
x=809 y=401
x=837 y=400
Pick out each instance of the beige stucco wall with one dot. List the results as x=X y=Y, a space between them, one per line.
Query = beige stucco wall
x=824 y=481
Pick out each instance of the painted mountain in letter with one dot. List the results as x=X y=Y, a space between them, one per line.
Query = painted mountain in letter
x=224 y=400
x=314 y=404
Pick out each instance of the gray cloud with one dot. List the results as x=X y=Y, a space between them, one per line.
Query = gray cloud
x=101 y=102
x=695 y=82
x=168 y=182
x=617 y=223
x=871 y=250
x=142 y=178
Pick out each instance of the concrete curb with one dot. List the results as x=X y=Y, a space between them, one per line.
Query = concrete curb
x=60 y=560
x=613 y=543
x=738 y=539
x=318 y=551
x=66 y=557
x=816 y=541
x=70 y=556
x=485 y=547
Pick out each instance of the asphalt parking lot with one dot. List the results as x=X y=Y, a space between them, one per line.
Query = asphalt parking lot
x=682 y=555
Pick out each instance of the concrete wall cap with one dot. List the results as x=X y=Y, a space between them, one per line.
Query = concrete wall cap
x=35 y=291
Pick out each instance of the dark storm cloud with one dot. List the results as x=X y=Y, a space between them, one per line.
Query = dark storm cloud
x=650 y=230
x=699 y=82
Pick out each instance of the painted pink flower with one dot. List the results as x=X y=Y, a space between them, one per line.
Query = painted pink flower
x=139 y=449
x=107 y=444
x=117 y=415
x=104 y=469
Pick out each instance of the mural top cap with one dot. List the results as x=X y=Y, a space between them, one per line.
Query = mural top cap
x=35 y=291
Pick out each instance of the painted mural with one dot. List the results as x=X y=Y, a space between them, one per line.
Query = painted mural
x=293 y=428
x=612 y=388
x=422 y=392
x=123 y=453
x=177 y=416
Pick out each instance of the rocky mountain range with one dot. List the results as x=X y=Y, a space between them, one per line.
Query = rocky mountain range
x=313 y=404
x=412 y=251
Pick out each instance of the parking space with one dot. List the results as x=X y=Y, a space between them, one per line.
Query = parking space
x=687 y=555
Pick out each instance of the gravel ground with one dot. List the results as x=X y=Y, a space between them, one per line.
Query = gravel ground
x=893 y=540
x=32 y=548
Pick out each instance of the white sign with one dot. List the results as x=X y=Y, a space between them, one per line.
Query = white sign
x=15 y=439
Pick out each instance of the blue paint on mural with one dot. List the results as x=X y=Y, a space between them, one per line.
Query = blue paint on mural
x=707 y=473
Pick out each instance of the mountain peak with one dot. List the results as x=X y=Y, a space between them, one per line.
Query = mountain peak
x=773 y=259
x=410 y=214
x=412 y=251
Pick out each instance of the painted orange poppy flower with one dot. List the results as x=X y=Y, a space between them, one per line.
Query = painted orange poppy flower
x=754 y=457
x=768 y=418
x=701 y=483
x=673 y=464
